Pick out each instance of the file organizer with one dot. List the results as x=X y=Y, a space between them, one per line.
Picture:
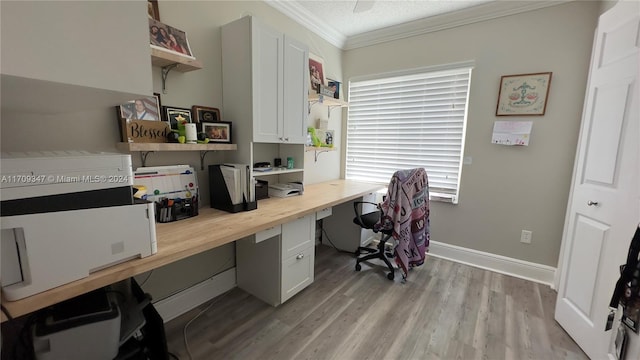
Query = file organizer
x=220 y=194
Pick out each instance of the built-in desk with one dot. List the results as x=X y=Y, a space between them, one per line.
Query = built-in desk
x=210 y=229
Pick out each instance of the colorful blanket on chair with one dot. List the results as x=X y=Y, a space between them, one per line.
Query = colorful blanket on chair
x=406 y=210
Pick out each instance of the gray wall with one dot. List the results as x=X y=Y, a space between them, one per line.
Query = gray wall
x=506 y=189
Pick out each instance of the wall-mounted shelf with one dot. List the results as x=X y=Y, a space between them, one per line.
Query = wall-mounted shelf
x=168 y=61
x=319 y=150
x=329 y=102
x=183 y=64
x=147 y=148
x=276 y=171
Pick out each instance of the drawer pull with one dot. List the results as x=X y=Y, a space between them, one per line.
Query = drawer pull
x=300 y=256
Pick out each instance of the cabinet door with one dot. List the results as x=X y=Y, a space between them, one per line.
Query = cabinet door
x=267 y=67
x=296 y=87
x=76 y=44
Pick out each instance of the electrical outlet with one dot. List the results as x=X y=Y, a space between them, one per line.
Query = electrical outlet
x=525 y=237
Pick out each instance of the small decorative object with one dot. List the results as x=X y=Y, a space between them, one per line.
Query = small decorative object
x=290 y=163
x=524 y=94
x=316 y=73
x=335 y=86
x=167 y=38
x=324 y=138
x=205 y=114
x=176 y=115
x=326 y=91
x=191 y=133
x=219 y=132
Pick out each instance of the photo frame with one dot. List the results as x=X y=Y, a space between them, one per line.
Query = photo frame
x=205 y=114
x=523 y=94
x=335 y=86
x=217 y=132
x=173 y=115
x=316 y=73
x=147 y=108
x=152 y=9
x=167 y=38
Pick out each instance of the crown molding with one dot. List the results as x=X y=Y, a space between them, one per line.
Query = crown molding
x=305 y=18
x=484 y=12
x=487 y=11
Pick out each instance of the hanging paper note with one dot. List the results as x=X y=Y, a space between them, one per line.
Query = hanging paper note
x=511 y=132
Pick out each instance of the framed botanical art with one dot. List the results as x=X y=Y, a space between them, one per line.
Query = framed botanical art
x=523 y=94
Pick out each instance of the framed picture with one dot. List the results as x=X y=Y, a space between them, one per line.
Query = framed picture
x=141 y=109
x=218 y=132
x=173 y=115
x=523 y=94
x=316 y=73
x=152 y=9
x=335 y=86
x=167 y=38
x=205 y=114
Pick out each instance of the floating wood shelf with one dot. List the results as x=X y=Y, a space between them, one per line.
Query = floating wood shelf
x=147 y=148
x=123 y=146
x=325 y=100
x=182 y=64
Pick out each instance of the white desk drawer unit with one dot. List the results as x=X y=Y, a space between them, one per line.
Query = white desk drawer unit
x=277 y=263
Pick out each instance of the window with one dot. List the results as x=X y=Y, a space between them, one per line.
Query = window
x=407 y=120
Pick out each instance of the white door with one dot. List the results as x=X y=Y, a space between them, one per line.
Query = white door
x=603 y=209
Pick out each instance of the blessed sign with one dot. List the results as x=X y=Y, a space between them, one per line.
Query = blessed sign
x=144 y=131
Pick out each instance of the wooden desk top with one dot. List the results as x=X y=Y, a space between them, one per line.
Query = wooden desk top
x=210 y=229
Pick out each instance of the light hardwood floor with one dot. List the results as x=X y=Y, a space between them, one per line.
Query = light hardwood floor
x=445 y=310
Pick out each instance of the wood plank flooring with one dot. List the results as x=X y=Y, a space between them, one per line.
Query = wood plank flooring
x=445 y=310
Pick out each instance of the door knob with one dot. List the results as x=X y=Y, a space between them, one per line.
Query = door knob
x=300 y=256
x=592 y=203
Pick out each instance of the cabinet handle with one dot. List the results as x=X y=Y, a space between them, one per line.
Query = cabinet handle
x=286 y=139
x=300 y=256
x=592 y=203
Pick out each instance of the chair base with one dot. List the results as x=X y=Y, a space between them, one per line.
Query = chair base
x=379 y=253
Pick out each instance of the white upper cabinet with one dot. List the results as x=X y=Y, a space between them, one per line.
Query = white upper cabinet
x=265 y=81
x=59 y=56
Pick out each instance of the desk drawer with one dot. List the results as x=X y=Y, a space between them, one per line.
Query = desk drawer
x=298 y=235
x=297 y=273
x=321 y=214
x=268 y=233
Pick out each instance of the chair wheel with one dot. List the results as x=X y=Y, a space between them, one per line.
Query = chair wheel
x=390 y=276
x=358 y=267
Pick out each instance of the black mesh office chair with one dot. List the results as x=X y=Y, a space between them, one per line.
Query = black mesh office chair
x=405 y=208
x=367 y=221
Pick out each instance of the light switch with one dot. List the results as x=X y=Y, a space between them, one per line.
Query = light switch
x=467 y=160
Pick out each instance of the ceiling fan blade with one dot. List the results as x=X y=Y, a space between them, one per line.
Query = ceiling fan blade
x=363 y=5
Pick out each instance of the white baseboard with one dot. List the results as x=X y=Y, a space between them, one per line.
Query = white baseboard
x=180 y=303
x=501 y=264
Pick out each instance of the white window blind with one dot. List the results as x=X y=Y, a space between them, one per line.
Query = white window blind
x=409 y=121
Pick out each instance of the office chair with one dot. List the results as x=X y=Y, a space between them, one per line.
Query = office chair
x=368 y=221
x=403 y=215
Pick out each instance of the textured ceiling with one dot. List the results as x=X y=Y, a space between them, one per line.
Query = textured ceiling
x=339 y=14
